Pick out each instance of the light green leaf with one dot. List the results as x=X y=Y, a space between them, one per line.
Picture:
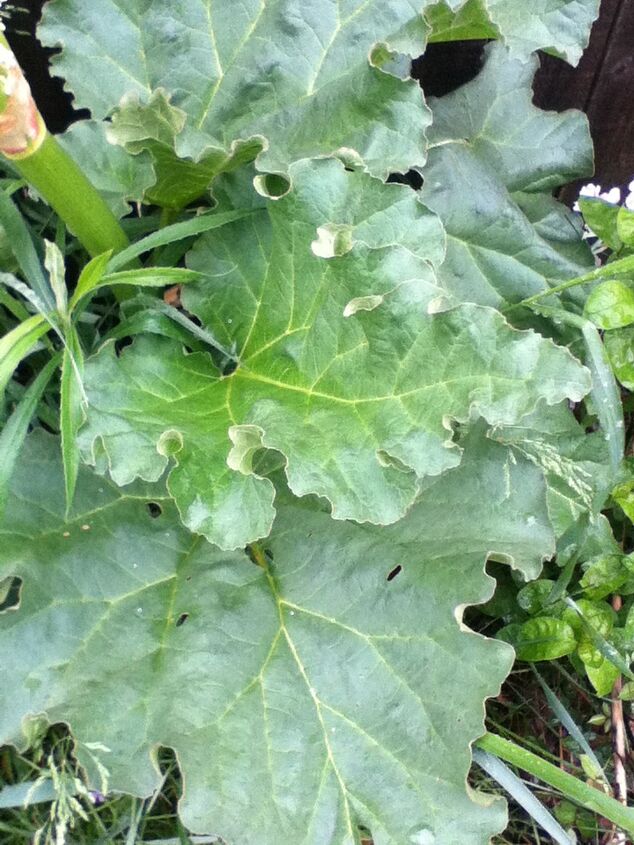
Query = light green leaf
x=16 y=345
x=119 y=178
x=610 y=305
x=623 y=493
x=593 y=620
x=604 y=576
x=533 y=596
x=541 y=638
x=601 y=218
x=493 y=154
x=276 y=688
x=559 y=25
x=625 y=225
x=360 y=406
x=619 y=345
x=602 y=677
x=285 y=80
x=90 y=277
x=453 y=22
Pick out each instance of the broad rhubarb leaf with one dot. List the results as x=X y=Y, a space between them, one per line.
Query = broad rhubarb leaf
x=303 y=698
x=339 y=368
x=283 y=79
x=575 y=464
x=119 y=178
x=559 y=25
x=496 y=157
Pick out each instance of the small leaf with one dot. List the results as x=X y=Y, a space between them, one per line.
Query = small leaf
x=627 y=691
x=533 y=597
x=541 y=638
x=601 y=217
x=610 y=305
x=604 y=576
x=593 y=620
x=603 y=676
x=625 y=225
x=619 y=345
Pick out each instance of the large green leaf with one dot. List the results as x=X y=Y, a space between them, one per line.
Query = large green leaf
x=494 y=155
x=339 y=368
x=303 y=698
x=119 y=178
x=559 y=25
x=285 y=79
x=575 y=464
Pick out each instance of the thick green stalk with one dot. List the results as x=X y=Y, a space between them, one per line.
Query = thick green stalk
x=25 y=141
x=573 y=788
x=54 y=174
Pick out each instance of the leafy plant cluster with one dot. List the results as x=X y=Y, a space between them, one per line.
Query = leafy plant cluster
x=285 y=411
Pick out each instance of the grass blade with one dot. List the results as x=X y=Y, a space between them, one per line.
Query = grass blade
x=71 y=411
x=19 y=237
x=510 y=782
x=17 y=344
x=17 y=426
x=150 y=277
x=569 y=723
x=175 y=232
x=573 y=788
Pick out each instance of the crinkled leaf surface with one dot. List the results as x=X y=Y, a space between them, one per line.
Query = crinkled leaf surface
x=559 y=25
x=295 y=76
x=119 y=178
x=494 y=150
x=359 y=405
x=302 y=699
x=575 y=464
